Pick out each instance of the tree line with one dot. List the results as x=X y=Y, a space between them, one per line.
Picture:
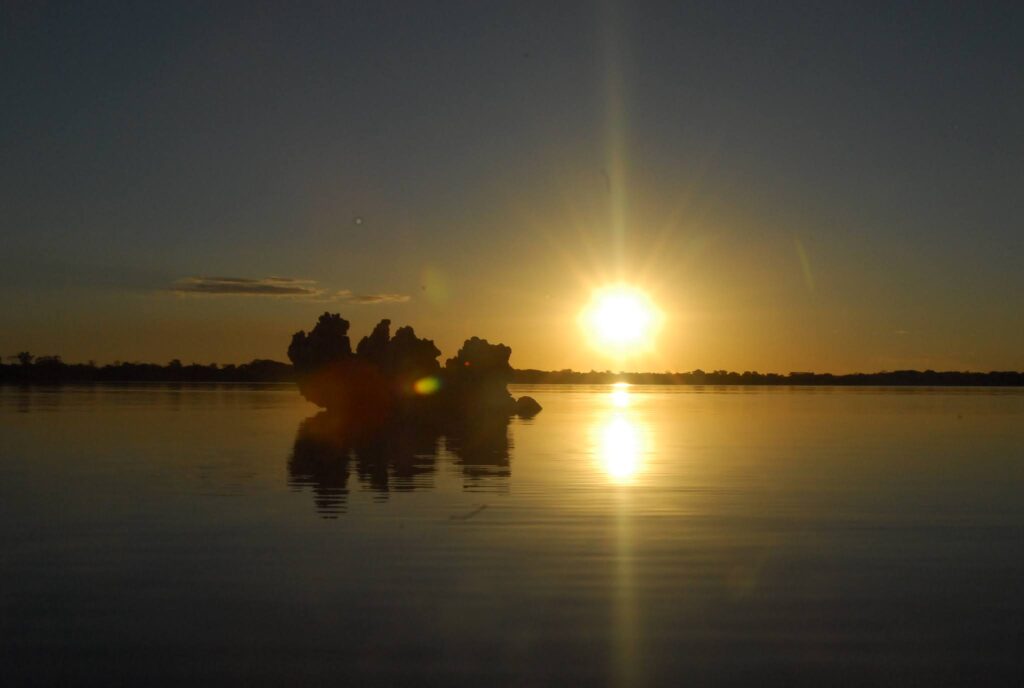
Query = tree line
x=925 y=378
x=25 y=368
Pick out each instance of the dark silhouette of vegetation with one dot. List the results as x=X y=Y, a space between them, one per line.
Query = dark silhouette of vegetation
x=29 y=369
x=26 y=368
x=913 y=378
x=388 y=377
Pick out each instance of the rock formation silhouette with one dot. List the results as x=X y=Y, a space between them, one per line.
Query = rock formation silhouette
x=399 y=376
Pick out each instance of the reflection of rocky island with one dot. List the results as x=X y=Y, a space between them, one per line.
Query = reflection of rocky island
x=394 y=457
x=399 y=377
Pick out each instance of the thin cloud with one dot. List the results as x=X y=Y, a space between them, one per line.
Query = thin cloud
x=347 y=296
x=244 y=286
x=286 y=287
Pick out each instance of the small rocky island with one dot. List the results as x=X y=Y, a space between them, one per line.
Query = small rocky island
x=398 y=377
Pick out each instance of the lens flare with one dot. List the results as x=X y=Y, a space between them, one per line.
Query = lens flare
x=426 y=386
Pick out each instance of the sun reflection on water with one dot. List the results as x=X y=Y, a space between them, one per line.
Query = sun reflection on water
x=620 y=448
x=620 y=395
x=620 y=439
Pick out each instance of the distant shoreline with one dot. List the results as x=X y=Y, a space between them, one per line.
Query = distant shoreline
x=52 y=370
x=897 y=378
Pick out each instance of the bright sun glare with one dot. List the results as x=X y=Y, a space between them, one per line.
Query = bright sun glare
x=621 y=320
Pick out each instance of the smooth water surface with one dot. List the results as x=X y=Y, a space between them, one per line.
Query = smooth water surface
x=624 y=536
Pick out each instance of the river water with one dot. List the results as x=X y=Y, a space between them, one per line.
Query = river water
x=625 y=536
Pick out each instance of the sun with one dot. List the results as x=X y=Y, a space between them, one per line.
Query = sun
x=621 y=320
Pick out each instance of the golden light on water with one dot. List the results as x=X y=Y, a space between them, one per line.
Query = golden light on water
x=620 y=439
x=621 y=320
x=620 y=395
x=621 y=448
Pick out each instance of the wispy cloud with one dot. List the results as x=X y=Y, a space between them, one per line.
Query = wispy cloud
x=244 y=286
x=348 y=296
x=285 y=287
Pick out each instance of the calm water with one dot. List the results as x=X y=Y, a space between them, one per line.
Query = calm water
x=640 y=536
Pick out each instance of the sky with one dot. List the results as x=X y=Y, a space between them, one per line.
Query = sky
x=797 y=186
